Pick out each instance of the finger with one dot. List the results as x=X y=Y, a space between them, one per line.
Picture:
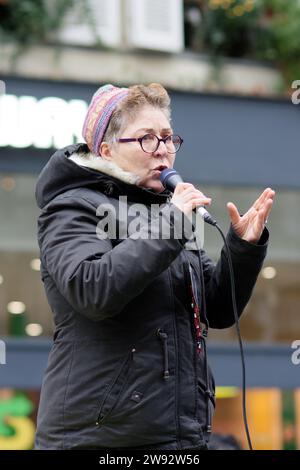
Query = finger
x=265 y=195
x=267 y=209
x=199 y=196
x=261 y=198
x=200 y=201
x=261 y=219
x=190 y=194
x=184 y=185
x=269 y=195
x=196 y=193
x=180 y=187
x=189 y=190
x=233 y=213
x=190 y=205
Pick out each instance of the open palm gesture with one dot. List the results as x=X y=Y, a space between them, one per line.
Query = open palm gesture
x=250 y=225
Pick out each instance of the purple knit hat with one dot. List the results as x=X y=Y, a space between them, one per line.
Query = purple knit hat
x=99 y=112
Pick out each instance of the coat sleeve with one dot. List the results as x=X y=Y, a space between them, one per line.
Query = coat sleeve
x=247 y=260
x=97 y=278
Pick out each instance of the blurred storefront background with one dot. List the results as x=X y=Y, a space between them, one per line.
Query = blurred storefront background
x=232 y=84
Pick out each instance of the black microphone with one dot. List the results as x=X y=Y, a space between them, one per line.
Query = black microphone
x=170 y=178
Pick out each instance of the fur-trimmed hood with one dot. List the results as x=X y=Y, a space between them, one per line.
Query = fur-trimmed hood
x=90 y=160
x=76 y=167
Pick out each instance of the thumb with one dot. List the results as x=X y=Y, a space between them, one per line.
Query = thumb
x=233 y=213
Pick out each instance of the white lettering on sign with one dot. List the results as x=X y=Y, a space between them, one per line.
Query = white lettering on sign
x=46 y=123
x=2 y=352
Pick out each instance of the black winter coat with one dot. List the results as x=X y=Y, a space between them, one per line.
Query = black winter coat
x=124 y=369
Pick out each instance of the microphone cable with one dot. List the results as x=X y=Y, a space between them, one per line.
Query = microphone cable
x=170 y=178
x=236 y=317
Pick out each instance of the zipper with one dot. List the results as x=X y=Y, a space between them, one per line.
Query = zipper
x=176 y=364
x=193 y=300
x=204 y=335
x=164 y=338
x=209 y=394
x=196 y=312
x=200 y=338
x=118 y=382
x=187 y=278
x=210 y=397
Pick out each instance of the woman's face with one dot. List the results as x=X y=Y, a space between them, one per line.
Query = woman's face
x=129 y=155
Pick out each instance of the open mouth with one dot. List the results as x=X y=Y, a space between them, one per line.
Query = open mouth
x=160 y=168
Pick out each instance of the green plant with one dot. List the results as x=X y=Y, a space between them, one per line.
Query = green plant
x=253 y=29
x=282 y=26
x=29 y=22
x=229 y=27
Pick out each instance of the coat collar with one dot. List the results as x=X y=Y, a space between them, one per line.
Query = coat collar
x=116 y=181
x=95 y=162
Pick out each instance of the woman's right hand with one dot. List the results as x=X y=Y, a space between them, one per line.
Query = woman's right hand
x=186 y=197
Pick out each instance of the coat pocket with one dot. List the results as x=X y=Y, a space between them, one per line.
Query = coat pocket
x=115 y=389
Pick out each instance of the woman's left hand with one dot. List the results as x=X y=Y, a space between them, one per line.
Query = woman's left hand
x=251 y=225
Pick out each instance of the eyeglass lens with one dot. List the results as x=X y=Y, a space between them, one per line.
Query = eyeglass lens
x=150 y=143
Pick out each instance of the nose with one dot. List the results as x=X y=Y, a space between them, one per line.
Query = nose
x=161 y=150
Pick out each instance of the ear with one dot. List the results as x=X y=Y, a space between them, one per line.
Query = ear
x=105 y=151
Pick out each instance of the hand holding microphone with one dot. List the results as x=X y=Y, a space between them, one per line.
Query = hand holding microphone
x=186 y=197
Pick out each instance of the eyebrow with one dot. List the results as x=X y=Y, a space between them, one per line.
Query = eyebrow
x=167 y=129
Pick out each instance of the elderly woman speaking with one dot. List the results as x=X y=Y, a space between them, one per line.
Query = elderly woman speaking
x=128 y=368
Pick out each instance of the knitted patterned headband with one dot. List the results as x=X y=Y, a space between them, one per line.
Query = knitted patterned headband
x=99 y=112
